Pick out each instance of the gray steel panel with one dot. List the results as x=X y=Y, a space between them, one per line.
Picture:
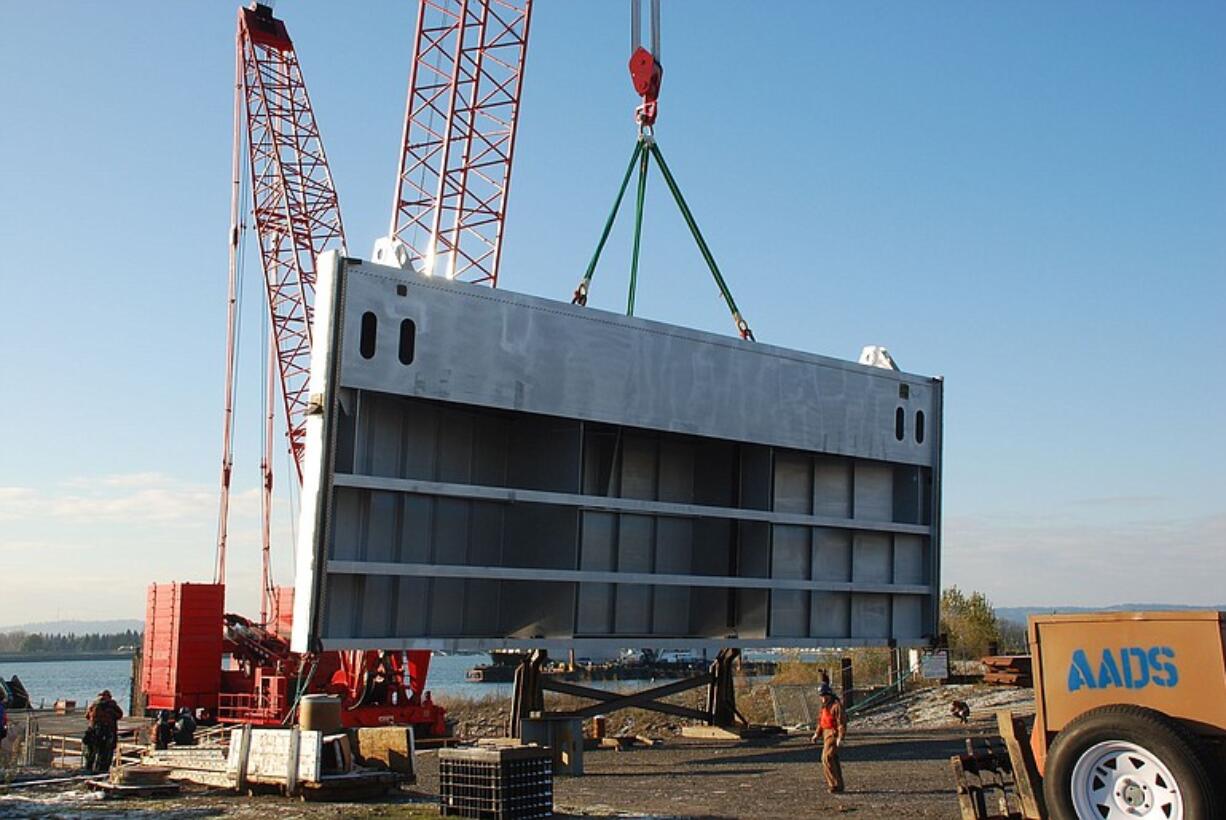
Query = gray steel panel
x=909 y=561
x=488 y=348
x=874 y=492
x=870 y=616
x=830 y=616
x=831 y=554
x=871 y=561
x=545 y=475
x=908 y=613
x=832 y=487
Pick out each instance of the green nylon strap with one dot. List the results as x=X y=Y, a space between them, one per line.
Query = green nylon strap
x=638 y=230
x=702 y=243
x=608 y=225
x=644 y=149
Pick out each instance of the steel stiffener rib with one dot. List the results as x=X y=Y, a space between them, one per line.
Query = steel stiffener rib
x=608 y=504
x=591 y=576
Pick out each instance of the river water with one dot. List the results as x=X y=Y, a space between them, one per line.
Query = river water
x=81 y=681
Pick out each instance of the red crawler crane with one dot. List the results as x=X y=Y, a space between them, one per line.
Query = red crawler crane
x=296 y=216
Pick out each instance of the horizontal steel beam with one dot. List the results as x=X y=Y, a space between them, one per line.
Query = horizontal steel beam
x=613 y=643
x=382 y=568
x=602 y=503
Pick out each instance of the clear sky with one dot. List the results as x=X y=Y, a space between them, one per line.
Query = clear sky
x=1029 y=199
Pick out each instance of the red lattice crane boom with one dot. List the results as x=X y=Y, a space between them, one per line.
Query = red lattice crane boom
x=296 y=211
x=459 y=139
x=296 y=216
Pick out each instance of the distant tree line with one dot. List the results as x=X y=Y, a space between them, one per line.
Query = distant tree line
x=969 y=623
x=37 y=642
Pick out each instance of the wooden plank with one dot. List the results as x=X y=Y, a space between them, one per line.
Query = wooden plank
x=709 y=733
x=389 y=747
x=291 y=761
x=1003 y=780
x=966 y=803
x=244 y=752
x=1025 y=772
x=975 y=782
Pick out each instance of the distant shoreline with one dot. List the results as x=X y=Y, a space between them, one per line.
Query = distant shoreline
x=39 y=657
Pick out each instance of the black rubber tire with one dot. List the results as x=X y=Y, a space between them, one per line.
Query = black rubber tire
x=1167 y=739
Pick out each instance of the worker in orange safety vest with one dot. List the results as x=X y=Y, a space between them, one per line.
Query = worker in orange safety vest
x=831 y=727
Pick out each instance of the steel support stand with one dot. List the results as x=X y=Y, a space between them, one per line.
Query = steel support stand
x=528 y=695
x=721 y=691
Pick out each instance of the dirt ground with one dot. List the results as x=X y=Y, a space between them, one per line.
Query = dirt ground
x=889 y=774
x=896 y=762
x=903 y=774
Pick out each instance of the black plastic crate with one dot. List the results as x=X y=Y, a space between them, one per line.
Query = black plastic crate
x=496 y=783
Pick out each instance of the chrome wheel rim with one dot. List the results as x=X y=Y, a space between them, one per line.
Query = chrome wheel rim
x=1117 y=780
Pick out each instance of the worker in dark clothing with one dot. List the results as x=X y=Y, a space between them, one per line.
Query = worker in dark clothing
x=163 y=730
x=103 y=733
x=960 y=710
x=831 y=727
x=185 y=728
x=379 y=681
x=4 y=720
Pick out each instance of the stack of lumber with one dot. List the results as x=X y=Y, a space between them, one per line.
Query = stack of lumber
x=1008 y=670
x=136 y=781
x=998 y=779
x=205 y=765
x=140 y=775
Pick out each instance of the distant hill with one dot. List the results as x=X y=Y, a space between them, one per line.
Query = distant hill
x=78 y=627
x=1019 y=614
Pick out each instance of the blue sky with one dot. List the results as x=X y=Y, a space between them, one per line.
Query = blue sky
x=1028 y=199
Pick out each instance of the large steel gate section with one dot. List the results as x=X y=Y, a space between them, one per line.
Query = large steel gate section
x=489 y=469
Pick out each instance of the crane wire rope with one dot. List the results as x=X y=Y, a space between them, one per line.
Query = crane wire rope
x=239 y=270
x=267 y=403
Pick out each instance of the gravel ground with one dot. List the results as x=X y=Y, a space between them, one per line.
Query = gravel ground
x=928 y=708
x=889 y=774
x=896 y=762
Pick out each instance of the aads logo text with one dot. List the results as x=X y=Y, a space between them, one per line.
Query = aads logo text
x=1131 y=667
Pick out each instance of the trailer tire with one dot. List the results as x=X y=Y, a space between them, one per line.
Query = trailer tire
x=1164 y=749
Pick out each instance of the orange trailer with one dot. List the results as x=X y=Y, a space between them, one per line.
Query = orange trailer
x=1130 y=715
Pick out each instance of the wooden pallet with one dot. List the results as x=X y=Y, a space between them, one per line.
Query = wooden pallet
x=999 y=780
